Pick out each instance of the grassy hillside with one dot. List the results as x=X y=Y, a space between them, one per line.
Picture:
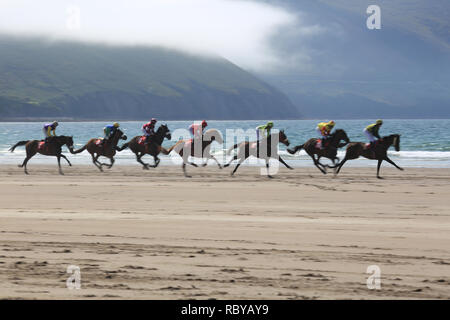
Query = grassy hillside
x=42 y=78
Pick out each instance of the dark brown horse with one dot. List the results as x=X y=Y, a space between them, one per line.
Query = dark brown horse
x=97 y=148
x=265 y=149
x=153 y=148
x=197 y=148
x=50 y=148
x=329 y=151
x=377 y=152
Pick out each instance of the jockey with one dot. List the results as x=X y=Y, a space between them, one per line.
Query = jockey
x=109 y=131
x=371 y=131
x=324 y=130
x=263 y=131
x=149 y=129
x=50 y=128
x=196 y=129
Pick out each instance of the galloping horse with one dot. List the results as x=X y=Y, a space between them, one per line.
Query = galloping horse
x=50 y=148
x=153 y=148
x=98 y=147
x=329 y=151
x=378 y=152
x=260 y=149
x=196 y=148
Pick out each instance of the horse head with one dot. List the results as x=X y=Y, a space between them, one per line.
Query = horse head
x=393 y=139
x=118 y=134
x=213 y=135
x=283 y=138
x=339 y=135
x=64 y=140
x=164 y=131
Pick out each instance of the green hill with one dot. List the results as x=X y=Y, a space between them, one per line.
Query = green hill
x=40 y=78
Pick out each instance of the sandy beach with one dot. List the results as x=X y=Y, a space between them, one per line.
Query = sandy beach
x=154 y=234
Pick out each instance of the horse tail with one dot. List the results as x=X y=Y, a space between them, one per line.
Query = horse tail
x=79 y=150
x=18 y=144
x=294 y=150
x=167 y=151
x=123 y=147
x=232 y=148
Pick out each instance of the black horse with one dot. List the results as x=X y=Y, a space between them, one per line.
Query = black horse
x=376 y=152
x=50 y=148
x=152 y=148
x=329 y=151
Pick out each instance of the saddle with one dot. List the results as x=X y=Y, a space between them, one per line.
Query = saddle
x=371 y=146
x=319 y=144
x=42 y=146
x=141 y=140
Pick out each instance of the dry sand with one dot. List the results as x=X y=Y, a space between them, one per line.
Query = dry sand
x=157 y=235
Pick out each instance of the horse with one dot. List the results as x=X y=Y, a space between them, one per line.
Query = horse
x=50 y=148
x=98 y=147
x=377 y=152
x=153 y=148
x=329 y=151
x=191 y=147
x=247 y=149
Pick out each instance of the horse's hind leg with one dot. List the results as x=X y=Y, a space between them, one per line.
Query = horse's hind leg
x=24 y=164
x=95 y=161
x=59 y=164
x=268 y=170
x=317 y=164
x=184 y=170
x=138 y=159
x=285 y=164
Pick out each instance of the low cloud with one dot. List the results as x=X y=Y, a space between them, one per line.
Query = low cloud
x=241 y=31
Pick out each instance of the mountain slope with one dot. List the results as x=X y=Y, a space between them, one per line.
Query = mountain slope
x=57 y=79
x=402 y=70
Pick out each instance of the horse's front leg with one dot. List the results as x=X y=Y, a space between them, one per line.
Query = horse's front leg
x=212 y=157
x=157 y=161
x=378 y=168
x=228 y=164
x=285 y=164
x=268 y=169
x=393 y=163
x=112 y=163
x=59 y=164
x=66 y=159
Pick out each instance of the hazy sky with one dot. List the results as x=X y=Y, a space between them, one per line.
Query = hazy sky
x=237 y=30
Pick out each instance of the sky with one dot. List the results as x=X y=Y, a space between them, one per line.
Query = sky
x=240 y=31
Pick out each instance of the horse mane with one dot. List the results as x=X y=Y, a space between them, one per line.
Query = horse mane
x=391 y=136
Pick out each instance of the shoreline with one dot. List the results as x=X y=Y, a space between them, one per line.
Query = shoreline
x=154 y=234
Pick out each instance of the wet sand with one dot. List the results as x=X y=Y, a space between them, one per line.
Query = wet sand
x=154 y=234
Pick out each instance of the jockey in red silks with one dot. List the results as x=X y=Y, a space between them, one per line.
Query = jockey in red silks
x=149 y=129
x=196 y=129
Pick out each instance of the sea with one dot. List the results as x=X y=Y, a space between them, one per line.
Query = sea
x=423 y=144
